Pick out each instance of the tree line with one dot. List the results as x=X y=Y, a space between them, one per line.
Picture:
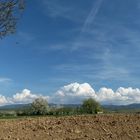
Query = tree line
x=40 y=106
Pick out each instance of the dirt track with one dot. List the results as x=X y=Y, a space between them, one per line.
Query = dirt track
x=96 y=127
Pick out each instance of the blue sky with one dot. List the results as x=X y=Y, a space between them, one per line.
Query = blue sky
x=59 y=42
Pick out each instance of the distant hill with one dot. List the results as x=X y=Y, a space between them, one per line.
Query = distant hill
x=123 y=108
x=19 y=106
x=13 y=106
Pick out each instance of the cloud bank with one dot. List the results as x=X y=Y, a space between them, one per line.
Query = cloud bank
x=25 y=96
x=75 y=93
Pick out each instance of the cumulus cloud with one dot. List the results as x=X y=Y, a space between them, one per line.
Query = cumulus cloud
x=75 y=93
x=108 y=96
x=3 y=100
x=24 y=97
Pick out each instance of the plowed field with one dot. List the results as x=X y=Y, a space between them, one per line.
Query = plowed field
x=86 y=127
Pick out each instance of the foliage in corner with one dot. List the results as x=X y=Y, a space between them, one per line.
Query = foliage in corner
x=10 y=10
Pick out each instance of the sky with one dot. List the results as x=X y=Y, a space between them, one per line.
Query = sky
x=67 y=50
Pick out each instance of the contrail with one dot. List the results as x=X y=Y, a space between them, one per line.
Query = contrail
x=92 y=15
x=89 y=20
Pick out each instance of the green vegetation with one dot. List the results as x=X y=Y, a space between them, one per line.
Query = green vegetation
x=90 y=106
x=40 y=107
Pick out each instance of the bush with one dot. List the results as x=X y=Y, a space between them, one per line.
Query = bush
x=8 y=113
x=91 y=106
x=25 y=111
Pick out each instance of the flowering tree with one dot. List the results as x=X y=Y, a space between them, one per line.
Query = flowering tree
x=39 y=106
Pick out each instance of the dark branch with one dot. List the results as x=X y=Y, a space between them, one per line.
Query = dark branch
x=10 y=11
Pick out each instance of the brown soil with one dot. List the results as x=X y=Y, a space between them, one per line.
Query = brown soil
x=88 y=127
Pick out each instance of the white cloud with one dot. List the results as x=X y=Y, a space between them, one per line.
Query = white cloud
x=26 y=97
x=108 y=96
x=129 y=94
x=3 y=100
x=75 y=93
x=4 y=80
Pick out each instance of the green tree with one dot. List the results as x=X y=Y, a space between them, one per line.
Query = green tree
x=9 y=14
x=39 y=106
x=91 y=106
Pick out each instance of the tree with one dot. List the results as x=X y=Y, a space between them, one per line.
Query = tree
x=9 y=14
x=91 y=106
x=39 y=106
